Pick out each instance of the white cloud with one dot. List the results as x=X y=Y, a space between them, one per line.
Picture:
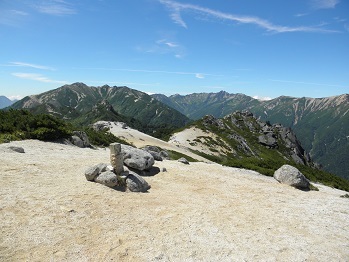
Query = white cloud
x=165 y=46
x=12 y=17
x=176 y=8
x=324 y=4
x=301 y=14
x=17 y=97
x=262 y=98
x=56 y=7
x=19 y=12
x=200 y=76
x=169 y=44
x=37 y=77
x=32 y=65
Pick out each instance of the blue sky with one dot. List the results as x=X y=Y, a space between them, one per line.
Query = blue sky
x=260 y=48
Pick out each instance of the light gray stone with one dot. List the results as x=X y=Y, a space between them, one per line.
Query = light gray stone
x=183 y=160
x=137 y=158
x=136 y=183
x=154 y=151
x=92 y=172
x=290 y=175
x=107 y=178
x=80 y=139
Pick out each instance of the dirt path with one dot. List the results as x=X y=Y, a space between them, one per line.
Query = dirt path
x=140 y=139
x=196 y=212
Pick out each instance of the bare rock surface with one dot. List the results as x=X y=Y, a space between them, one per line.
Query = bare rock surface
x=228 y=215
x=291 y=176
x=137 y=158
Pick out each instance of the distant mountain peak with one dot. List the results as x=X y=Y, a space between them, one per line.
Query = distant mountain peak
x=5 y=102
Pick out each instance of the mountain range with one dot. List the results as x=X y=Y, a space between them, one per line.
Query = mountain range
x=84 y=105
x=320 y=124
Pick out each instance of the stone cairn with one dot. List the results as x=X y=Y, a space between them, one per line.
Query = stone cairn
x=116 y=174
x=116 y=158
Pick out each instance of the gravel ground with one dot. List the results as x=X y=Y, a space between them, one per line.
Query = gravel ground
x=196 y=212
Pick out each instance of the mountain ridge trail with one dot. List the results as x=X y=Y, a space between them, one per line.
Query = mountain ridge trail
x=195 y=212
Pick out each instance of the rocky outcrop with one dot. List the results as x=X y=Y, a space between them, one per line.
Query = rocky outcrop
x=268 y=140
x=80 y=139
x=136 y=158
x=271 y=136
x=211 y=120
x=291 y=176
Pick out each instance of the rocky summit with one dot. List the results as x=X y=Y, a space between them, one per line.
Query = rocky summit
x=321 y=124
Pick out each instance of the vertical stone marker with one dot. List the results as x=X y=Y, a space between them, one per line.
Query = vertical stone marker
x=116 y=158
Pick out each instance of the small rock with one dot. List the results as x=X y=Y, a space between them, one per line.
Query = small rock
x=107 y=178
x=183 y=160
x=164 y=169
x=92 y=172
x=136 y=183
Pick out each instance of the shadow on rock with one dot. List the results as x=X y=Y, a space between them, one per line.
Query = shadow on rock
x=150 y=172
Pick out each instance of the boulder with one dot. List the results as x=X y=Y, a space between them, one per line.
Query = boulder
x=136 y=158
x=290 y=175
x=107 y=178
x=80 y=139
x=101 y=125
x=183 y=160
x=154 y=151
x=151 y=148
x=136 y=183
x=92 y=172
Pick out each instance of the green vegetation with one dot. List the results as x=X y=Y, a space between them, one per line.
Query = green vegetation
x=174 y=155
x=258 y=157
x=21 y=124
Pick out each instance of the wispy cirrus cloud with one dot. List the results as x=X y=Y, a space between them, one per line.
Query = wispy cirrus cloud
x=56 y=7
x=324 y=4
x=176 y=9
x=196 y=74
x=164 y=46
x=37 y=77
x=12 y=17
x=23 y=64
